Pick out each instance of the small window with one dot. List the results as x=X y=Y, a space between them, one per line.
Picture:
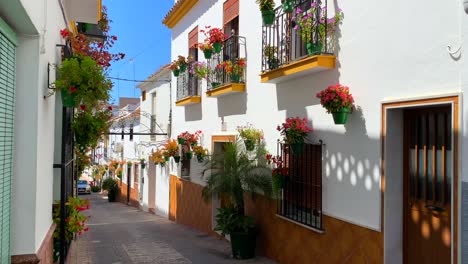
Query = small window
x=301 y=197
x=143 y=95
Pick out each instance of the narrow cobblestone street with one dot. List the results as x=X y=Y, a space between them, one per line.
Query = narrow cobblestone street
x=122 y=234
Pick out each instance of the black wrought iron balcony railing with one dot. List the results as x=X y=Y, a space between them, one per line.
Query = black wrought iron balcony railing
x=187 y=85
x=229 y=65
x=287 y=40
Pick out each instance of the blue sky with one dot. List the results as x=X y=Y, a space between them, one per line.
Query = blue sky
x=142 y=37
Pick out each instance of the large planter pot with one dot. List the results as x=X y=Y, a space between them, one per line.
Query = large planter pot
x=235 y=78
x=268 y=17
x=341 y=117
x=297 y=148
x=217 y=46
x=243 y=244
x=68 y=98
x=111 y=196
x=176 y=72
x=314 y=48
x=188 y=155
x=207 y=53
x=177 y=159
x=183 y=67
x=288 y=6
x=249 y=144
x=181 y=141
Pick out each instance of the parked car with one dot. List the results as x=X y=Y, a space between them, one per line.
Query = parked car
x=84 y=187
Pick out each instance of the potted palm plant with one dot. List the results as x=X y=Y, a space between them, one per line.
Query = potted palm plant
x=267 y=7
x=231 y=174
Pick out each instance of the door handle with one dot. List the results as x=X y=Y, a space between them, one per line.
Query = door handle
x=434 y=208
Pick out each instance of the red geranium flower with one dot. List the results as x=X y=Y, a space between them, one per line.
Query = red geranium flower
x=72 y=89
x=83 y=107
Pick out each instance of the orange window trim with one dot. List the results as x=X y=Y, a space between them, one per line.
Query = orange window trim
x=193 y=37
x=231 y=10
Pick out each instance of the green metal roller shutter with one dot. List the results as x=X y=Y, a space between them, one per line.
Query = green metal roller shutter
x=7 y=108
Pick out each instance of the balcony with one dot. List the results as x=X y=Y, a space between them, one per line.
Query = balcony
x=188 y=89
x=84 y=11
x=285 y=55
x=228 y=68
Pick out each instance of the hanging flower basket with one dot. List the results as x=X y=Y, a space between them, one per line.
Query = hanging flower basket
x=338 y=101
x=181 y=141
x=176 y=72
x=314 y=48
x=268 y=17
x=177 y=159
x=341 y=117
x=288 y=6
x=167 y=158
x=68 y=98
x=188 y=155
x=217 y=47
x=200 y=158
x=208 y=53
x=249 y=144
x=182 y=67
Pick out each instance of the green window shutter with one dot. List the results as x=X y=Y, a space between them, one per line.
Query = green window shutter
x=7 y=108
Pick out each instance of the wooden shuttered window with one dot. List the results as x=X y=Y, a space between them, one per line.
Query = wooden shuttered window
x=193 y=38
x=231 y=10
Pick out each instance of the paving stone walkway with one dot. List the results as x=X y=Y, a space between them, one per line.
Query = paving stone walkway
x=119 y=234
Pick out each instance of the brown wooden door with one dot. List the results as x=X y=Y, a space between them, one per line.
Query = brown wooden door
x=428 y=159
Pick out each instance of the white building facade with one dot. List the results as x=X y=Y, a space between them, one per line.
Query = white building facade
x=403 y=63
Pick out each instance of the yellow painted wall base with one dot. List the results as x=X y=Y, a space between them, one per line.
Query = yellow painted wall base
x=226 y=89
x=189 y=100
x=304 y=66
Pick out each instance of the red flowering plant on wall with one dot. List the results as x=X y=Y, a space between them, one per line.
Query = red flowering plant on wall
x=75 y=221
x=214 y=35
x=190 y=139
x=335 y=98
x=294 y=130
x=279 y=173
x=97 y=50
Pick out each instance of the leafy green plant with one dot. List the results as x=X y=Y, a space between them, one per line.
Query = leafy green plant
x=95 y=189
x=110 y=185
x=229 y=220
x=84 y=77
x=270 y=52
x=266 y=5
x=249 y=132
x=232 y=173
x=88 y=126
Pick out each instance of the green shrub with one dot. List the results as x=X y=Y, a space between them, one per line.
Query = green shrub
x=95 y=189
x=110 y=185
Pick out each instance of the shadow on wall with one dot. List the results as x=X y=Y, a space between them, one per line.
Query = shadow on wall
x=233 y=104
x=197 y=11
x=193 y=112
x=352 y=166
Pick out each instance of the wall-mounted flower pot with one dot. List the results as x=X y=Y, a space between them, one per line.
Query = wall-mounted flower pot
x=235 y=78
x=68 y=98
x=183 y=67
x=167 y=158
x=341 y=117
x=177 y=159
x=297 y=148
x=207 y=53
x=217 y=46
x=268 y=17
x=314 y=48
x=176 y=72
x=143 y=165
x=188 y=155
x=288 y=6
x=249 y=144
x=193 y=144
x=181 y=141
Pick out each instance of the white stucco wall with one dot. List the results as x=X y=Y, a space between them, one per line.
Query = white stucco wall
x=35 y=120
x=380 y=55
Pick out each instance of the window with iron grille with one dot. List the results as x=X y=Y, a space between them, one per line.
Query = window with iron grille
x=301 y=197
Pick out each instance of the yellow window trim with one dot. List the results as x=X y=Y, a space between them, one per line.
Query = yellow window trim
x=226 y=89
x=178 y=11
x=189 y=100
x=312 y=63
